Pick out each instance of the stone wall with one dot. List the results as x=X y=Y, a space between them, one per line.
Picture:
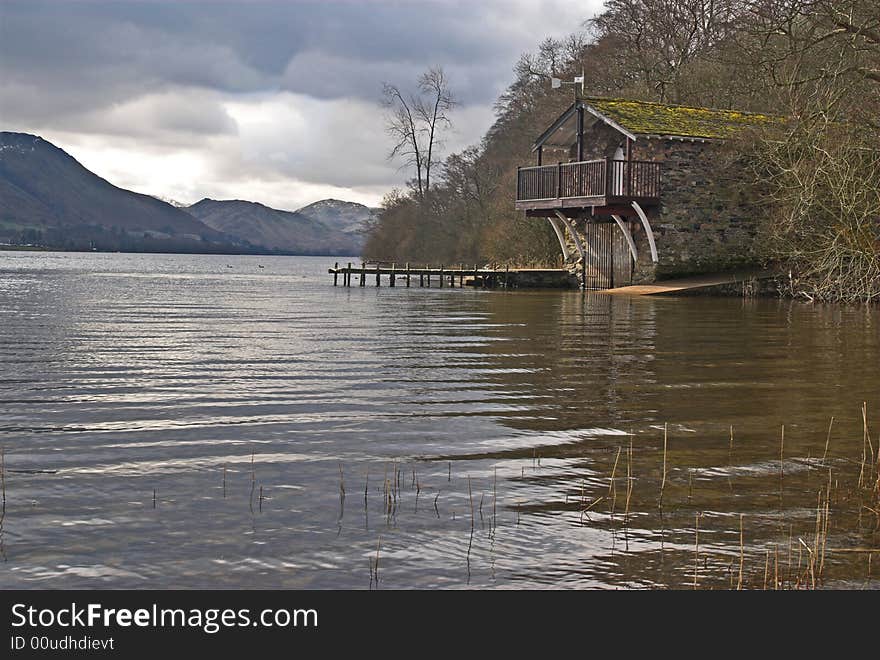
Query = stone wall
x=699 y=226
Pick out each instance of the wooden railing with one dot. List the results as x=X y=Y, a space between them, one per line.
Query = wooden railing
x=592 y=178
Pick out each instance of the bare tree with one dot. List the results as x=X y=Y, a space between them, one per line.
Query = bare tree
x=661 y=38
x=416 y=123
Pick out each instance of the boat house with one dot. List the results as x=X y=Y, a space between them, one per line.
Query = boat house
x=634 y=191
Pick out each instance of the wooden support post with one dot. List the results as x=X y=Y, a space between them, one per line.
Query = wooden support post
x=609 y=173
x=441 y=276
x=392 y=276
x=559 y=180
x=428 y=274
x=377 y=274
x=348 y=275
x=421 y=278
x=507 y=277
x=584 y=273
x=407 y=274
x=363 y=274
x=628 y=167
x=335 y=272
x=580 y=134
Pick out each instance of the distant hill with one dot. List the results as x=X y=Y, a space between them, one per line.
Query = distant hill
x=283 y=231
x=347 y=217
x=47 y=197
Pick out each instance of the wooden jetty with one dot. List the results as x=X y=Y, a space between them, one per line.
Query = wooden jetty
x=452 y=276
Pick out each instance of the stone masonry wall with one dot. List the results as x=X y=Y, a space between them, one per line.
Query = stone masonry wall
x=698 y=226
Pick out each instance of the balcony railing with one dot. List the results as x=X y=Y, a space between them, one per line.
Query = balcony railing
x=608 y=179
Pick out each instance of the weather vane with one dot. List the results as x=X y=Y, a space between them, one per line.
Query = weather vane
x=556 y=83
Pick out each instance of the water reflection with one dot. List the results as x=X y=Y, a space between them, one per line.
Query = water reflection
x=368 y=413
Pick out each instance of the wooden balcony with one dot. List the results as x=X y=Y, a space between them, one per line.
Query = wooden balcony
x=592 y=183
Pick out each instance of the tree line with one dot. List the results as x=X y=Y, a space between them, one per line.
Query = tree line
x=814 y=181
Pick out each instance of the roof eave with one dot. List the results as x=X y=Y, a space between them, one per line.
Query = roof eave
x=691 y=138
x=613 y=124
x=555 y=126
x=565 y=116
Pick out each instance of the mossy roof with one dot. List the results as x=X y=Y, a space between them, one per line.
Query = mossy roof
x=646 y=118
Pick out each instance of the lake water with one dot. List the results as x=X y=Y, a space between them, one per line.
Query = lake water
x=147 y=400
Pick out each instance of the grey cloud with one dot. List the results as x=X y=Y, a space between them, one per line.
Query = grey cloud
x=160 y=74
x=247 y=47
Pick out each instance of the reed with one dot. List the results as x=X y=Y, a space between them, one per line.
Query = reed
x=494 y=497
x=588 y=508
x=2 y=486
x=800 y=563
x=663 y=479
x=614 y=470
x=730 y=448
x=471 y=540
x=376 y=562
x=253 y=483
x=866 y=445
x=825 y=523
x=583 y=498
x=828 y=439
x=730 y=460
x=781 y=570
x=742 y=553
x=776 y=567
x=781 y=456
x=471 y=499
x=629 y=484
x=766 y=568
x=2 y=502
x=697 y=548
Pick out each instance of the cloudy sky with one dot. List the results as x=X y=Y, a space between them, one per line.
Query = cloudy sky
x=268 y=100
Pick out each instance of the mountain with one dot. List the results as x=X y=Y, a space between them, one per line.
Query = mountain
x=47 y=197
x=347 y=217
x=282 y=231
x=173 y=202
